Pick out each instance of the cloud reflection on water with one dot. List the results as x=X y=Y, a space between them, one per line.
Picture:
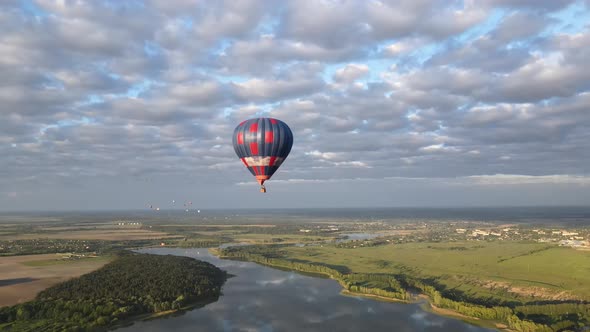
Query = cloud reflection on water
x=259 y=298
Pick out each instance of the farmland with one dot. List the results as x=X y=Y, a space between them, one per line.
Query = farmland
x=22 y=277
x=525 y=276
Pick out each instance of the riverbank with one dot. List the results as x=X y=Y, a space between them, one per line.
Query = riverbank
x=347 y=292
x=162 y=314
x=388 y=288
x=429 y=306
x=261 y=298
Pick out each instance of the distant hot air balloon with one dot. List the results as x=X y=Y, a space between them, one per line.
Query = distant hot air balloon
x=262 y=144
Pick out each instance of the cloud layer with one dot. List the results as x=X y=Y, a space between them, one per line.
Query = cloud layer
x=141 y=97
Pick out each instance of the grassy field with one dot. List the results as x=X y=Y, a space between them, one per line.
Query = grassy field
x=286 y=238
x=22 y=277
x=530 y=271
x=62 y=261
x=92 y=234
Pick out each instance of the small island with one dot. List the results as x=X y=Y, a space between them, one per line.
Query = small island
x=133 y=286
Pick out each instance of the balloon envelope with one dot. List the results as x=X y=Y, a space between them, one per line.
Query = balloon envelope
x=262 y=144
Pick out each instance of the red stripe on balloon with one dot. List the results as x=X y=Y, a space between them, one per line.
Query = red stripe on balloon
x=272 y=161
x=244 y=161
x=273 y=121
x=254 y=127
x=254 y=148
x=240 y=138
x=268 y=137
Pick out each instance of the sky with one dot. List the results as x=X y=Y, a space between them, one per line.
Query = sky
x=122 y=104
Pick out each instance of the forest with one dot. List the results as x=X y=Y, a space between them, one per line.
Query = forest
x=130 y=286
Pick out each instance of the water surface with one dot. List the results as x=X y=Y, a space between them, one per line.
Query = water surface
x=357 y=236
x=260 y=298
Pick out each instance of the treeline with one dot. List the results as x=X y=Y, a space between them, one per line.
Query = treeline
x=202 y=241
x=129 y=286
x=524 y=318
x=505 y=315
x=569 y=315
x=188 y=230
x=526 y=253
x=268 y=255
x=375 y=284
x=52 y=246
x=353 y=244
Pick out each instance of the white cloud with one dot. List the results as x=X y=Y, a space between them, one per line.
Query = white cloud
x=515 y=179
x=472 y=180
x=353 y=164
x=94 y=91
x=324 y=155
x=439 y=148
x=351 y=72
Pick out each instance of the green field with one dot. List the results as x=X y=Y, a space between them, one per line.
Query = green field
x=286 y=238
x=524 y=286
x=505 y=270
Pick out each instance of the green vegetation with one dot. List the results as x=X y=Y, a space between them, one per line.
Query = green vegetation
x=204 y=236
x=54 y=246
x=475 y=279
x=200 y=241
x=517 y=274
x=479 y=269
x=130 y=286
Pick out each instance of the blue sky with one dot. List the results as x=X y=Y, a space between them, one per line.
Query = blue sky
x=116 y=105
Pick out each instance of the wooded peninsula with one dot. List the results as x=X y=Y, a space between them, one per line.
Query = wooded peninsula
x=131 y=286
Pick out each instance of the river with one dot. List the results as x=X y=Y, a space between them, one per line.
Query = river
x=260 y=298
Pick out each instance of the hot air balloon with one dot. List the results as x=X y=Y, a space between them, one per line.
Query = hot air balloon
x=262 y=144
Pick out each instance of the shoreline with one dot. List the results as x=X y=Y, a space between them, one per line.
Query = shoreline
x=346 y=292
x=428 y=304
x=129 y=321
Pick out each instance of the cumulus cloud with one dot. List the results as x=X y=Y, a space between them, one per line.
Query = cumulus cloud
x=351 y=72
x=512 y=179
x=257 y=90
x=99 y=91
